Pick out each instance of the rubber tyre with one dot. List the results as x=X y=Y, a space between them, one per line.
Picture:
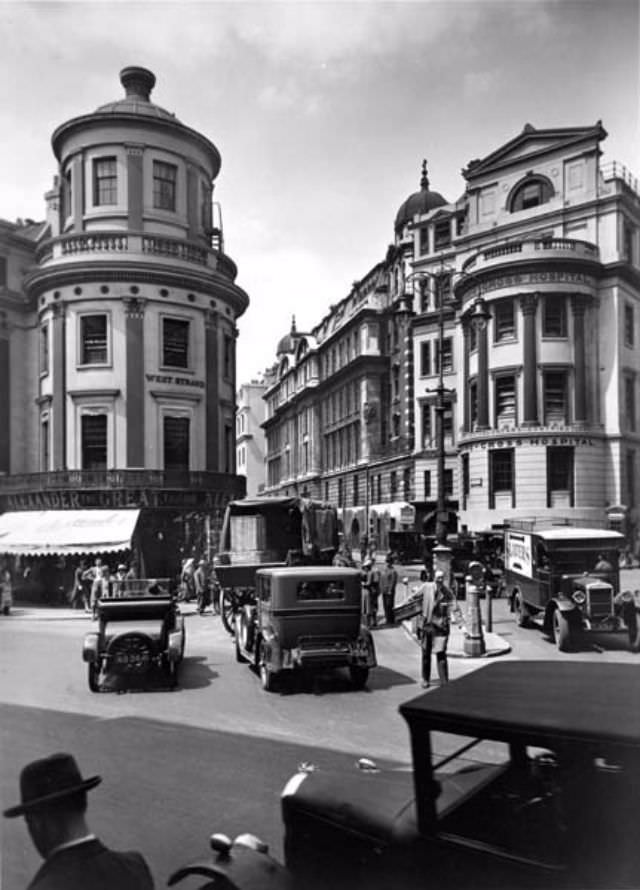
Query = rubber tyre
x=561 y=631
x=239 y=656
x=522 y=616
x=227 y=611
x=267 y=676
x=93 y=677
x=171 y=671
x=359 y=676
x=5 y=610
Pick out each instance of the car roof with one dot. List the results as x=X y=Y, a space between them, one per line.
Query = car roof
x=537 y=703
x=310 y=572
x=569 y=533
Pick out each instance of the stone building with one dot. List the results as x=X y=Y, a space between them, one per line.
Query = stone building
x=119 y=335
x=250 y=439
x=539 y=403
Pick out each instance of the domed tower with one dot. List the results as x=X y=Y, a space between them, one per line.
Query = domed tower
x=137 y=304
x=418 y=203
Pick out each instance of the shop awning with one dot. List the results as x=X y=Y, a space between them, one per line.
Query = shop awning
x=55 y=532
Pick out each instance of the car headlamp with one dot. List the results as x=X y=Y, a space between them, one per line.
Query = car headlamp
x=579 y=597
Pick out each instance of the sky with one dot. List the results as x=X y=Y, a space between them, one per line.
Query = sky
x=322 y=112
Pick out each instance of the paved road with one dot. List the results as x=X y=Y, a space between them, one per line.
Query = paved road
x=214 y=754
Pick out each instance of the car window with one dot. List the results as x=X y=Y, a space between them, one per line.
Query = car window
x=320 y=590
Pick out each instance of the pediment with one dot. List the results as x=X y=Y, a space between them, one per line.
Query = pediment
x=532 y=143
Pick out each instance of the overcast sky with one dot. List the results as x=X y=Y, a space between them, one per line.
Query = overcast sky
x=322 y=113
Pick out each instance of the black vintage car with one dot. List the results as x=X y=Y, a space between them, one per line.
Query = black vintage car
x=136 y=635
x=540 y=790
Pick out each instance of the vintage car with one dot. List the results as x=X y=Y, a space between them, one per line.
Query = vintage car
x=270 y=531
x=136 y=635
x=305 y=618
x=552 y=577
x=539 y=791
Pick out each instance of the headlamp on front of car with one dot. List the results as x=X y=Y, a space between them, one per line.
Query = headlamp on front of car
x=579 y=597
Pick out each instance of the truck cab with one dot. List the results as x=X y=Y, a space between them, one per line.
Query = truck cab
x=564 y=577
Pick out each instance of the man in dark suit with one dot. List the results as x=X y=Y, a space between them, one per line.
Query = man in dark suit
x=54 y=803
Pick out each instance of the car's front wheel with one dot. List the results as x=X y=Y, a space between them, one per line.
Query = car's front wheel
x=227 y=609
x=93 y=677
x=359 y=676
x=171 y=670
x=561 y=631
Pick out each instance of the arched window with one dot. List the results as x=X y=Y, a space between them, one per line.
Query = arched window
x=530 y=192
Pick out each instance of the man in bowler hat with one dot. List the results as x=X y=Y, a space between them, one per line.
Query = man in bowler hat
x=54 y=804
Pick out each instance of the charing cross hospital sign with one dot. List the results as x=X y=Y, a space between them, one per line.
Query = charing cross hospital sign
x=558 y=276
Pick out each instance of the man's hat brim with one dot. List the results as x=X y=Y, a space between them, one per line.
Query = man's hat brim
x=39 y=802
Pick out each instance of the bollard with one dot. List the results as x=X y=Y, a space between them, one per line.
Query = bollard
x=489 y=596
x=474 y=645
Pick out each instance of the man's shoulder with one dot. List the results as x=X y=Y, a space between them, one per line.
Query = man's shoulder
x=94 y=866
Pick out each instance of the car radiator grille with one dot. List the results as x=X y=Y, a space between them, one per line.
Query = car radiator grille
x=600 y=604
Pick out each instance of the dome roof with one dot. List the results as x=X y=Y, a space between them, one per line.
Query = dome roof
x=289 y=342
x=419 y=202
x=138 y=83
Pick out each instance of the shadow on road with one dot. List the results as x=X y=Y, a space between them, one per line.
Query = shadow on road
x=338 y=682
x=194 y=673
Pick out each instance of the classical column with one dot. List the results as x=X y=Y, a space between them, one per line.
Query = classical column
x=578 y=303
x=466 y=420
x=529 y=303
x=58 y=405
x=135 y=187
x=212 y=375
x=483 y=379
x=5 y=396
x=134 y=312
x=77 y=194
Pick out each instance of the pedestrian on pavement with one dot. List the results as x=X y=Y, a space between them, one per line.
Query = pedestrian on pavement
x=119 y=581
x=371 y=592
x=388 y=582
x=80 y=597
x=97 y=576
x=438 y=604
x=54 y=803
x=200 y=585
x=628 y=605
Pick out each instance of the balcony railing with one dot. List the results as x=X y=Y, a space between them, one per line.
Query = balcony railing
x=613 y=171
x=112 y=479
x=535 y=249
x=117 y=243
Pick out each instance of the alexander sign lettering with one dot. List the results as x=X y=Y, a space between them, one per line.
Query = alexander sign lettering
x=177 y=381
x=118 y=498
x=557 y=276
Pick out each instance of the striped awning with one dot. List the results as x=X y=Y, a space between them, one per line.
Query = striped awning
x=60 y=532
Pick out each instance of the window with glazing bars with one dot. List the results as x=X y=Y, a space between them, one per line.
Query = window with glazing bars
x=44 y=349
x=555 y=397
x=500 y=472
x=164 y=185
x=629 y=325
x=504 y=320
x=427 y=483
x=554 y=317
x=448 y=482
x=94 y=441
x=427 y=433
x=447 y=356
x=105 y=181
x=93 y=340
x=505 y=393
x=442 y=234
x=630 y=402
x=560 y=463
x=175 y=343
x=176 y=443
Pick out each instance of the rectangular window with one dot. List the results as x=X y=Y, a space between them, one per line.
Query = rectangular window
x=3 y=271
x=629 y=325
x=175 y=343
x=447 y=356
x=631 y=478
x=424 y=294
x=94 y=441
x=554 y=318
x=341 y=492
x=227 y=358
x=427 y=484
x=627 y=243
x=505 y=401
x=406 y=483
x=555 y=397
x=442 y=293
x=93 y=340
x=448 y=482
x=442 y=234
x=501 y=470
x=560 y=487
x=67 y=195
x=326 y=491
x=393 y=483
x=164 y=185
x=424 y=240
x=44 y=349
x=176 y=443
x=44 y=446
x=356 y=491
x=473 y=338
x=447 y=420
x=630 y=402
x=105 y=181
x=473 y=404
x=504 y=321
x=465 y=480
x=427 y=432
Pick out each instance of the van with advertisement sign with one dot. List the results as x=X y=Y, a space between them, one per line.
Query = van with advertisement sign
x=563 y=577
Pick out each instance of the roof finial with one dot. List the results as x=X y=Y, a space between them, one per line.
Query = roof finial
x=293 y=324
x=424 y=179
